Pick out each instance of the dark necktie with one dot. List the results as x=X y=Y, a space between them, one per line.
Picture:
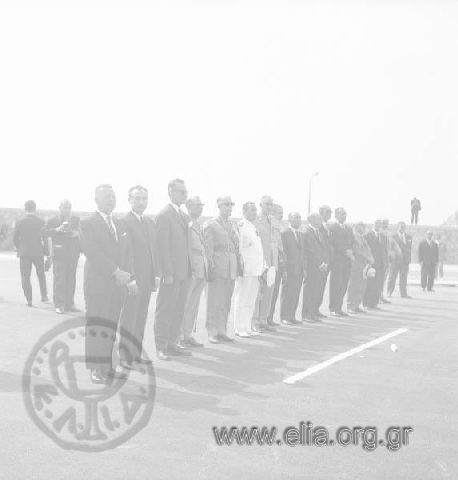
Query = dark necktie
x=111 y=227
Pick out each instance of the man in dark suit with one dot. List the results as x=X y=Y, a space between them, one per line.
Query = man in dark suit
x=142 y=233
x=385 y=241
x=175 y=270
x=108 y=278
x=400 y=265
x=277 y=217
x=325 y=213
x=31 y=249
x=428 y=256
x=316 y=268
x=342 y=240
x=375 y=284
x=415 y=207
x=293 y=248
x=63 y=231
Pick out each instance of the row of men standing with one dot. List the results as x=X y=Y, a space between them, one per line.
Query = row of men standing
x=125 y=256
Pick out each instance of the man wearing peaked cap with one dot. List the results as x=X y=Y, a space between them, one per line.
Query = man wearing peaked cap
x=222 y=245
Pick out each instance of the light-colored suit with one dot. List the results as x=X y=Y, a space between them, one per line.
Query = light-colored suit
x=221 y=242
x=270 y=248
x=247 y=286
x=199 y=269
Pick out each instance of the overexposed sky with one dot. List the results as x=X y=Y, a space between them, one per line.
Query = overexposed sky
x=236 y=97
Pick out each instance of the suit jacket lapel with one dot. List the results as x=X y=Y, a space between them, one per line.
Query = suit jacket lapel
x=105 y=228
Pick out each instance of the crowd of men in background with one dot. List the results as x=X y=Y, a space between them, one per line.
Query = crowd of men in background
x=247 y=264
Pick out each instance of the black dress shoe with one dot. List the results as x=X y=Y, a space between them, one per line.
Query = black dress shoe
x=406 y=296
x=359 y=310
x=224 y=338
x=384 y=300
x=214 y=339
x=296 y=322
x=178 y=351
x=45 y=299
x=430 y=290
x=341 y=313
x=320 y=315
x=192 y=342
x=29 y=303
x=161 y=355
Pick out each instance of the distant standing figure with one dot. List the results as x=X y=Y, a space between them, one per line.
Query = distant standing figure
x=31 y=249
x=442 y=244
x=415 y=207
x=428 y=256
x=64 y=232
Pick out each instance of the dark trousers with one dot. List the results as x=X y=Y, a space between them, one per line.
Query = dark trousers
x=324 y=279
x=374 y=287
x=312 y=292
x=290 y=292
x=356 y=286
x=25 y=265
x=414 y=217
x=64 y=281
x=427 y=275
x=338 y=283
x=99 y=340
x=275 y=292
x=169 y=313
x=132 y=324
x=402 y=270
x=219 y=297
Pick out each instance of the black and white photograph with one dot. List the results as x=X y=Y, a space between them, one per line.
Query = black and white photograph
x=228 y=239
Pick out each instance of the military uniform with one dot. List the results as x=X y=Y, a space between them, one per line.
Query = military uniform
x=222 y=246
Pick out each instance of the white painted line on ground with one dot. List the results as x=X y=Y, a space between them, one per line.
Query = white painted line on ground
x=337 y=358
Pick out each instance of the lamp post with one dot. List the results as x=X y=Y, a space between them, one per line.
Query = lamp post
x=309 y=207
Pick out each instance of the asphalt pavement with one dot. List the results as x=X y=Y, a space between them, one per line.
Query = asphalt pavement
x=408 y=380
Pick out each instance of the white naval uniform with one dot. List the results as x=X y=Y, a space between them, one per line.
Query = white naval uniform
x=247 y=286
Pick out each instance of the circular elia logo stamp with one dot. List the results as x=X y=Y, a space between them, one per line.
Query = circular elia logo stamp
x=68 y=406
